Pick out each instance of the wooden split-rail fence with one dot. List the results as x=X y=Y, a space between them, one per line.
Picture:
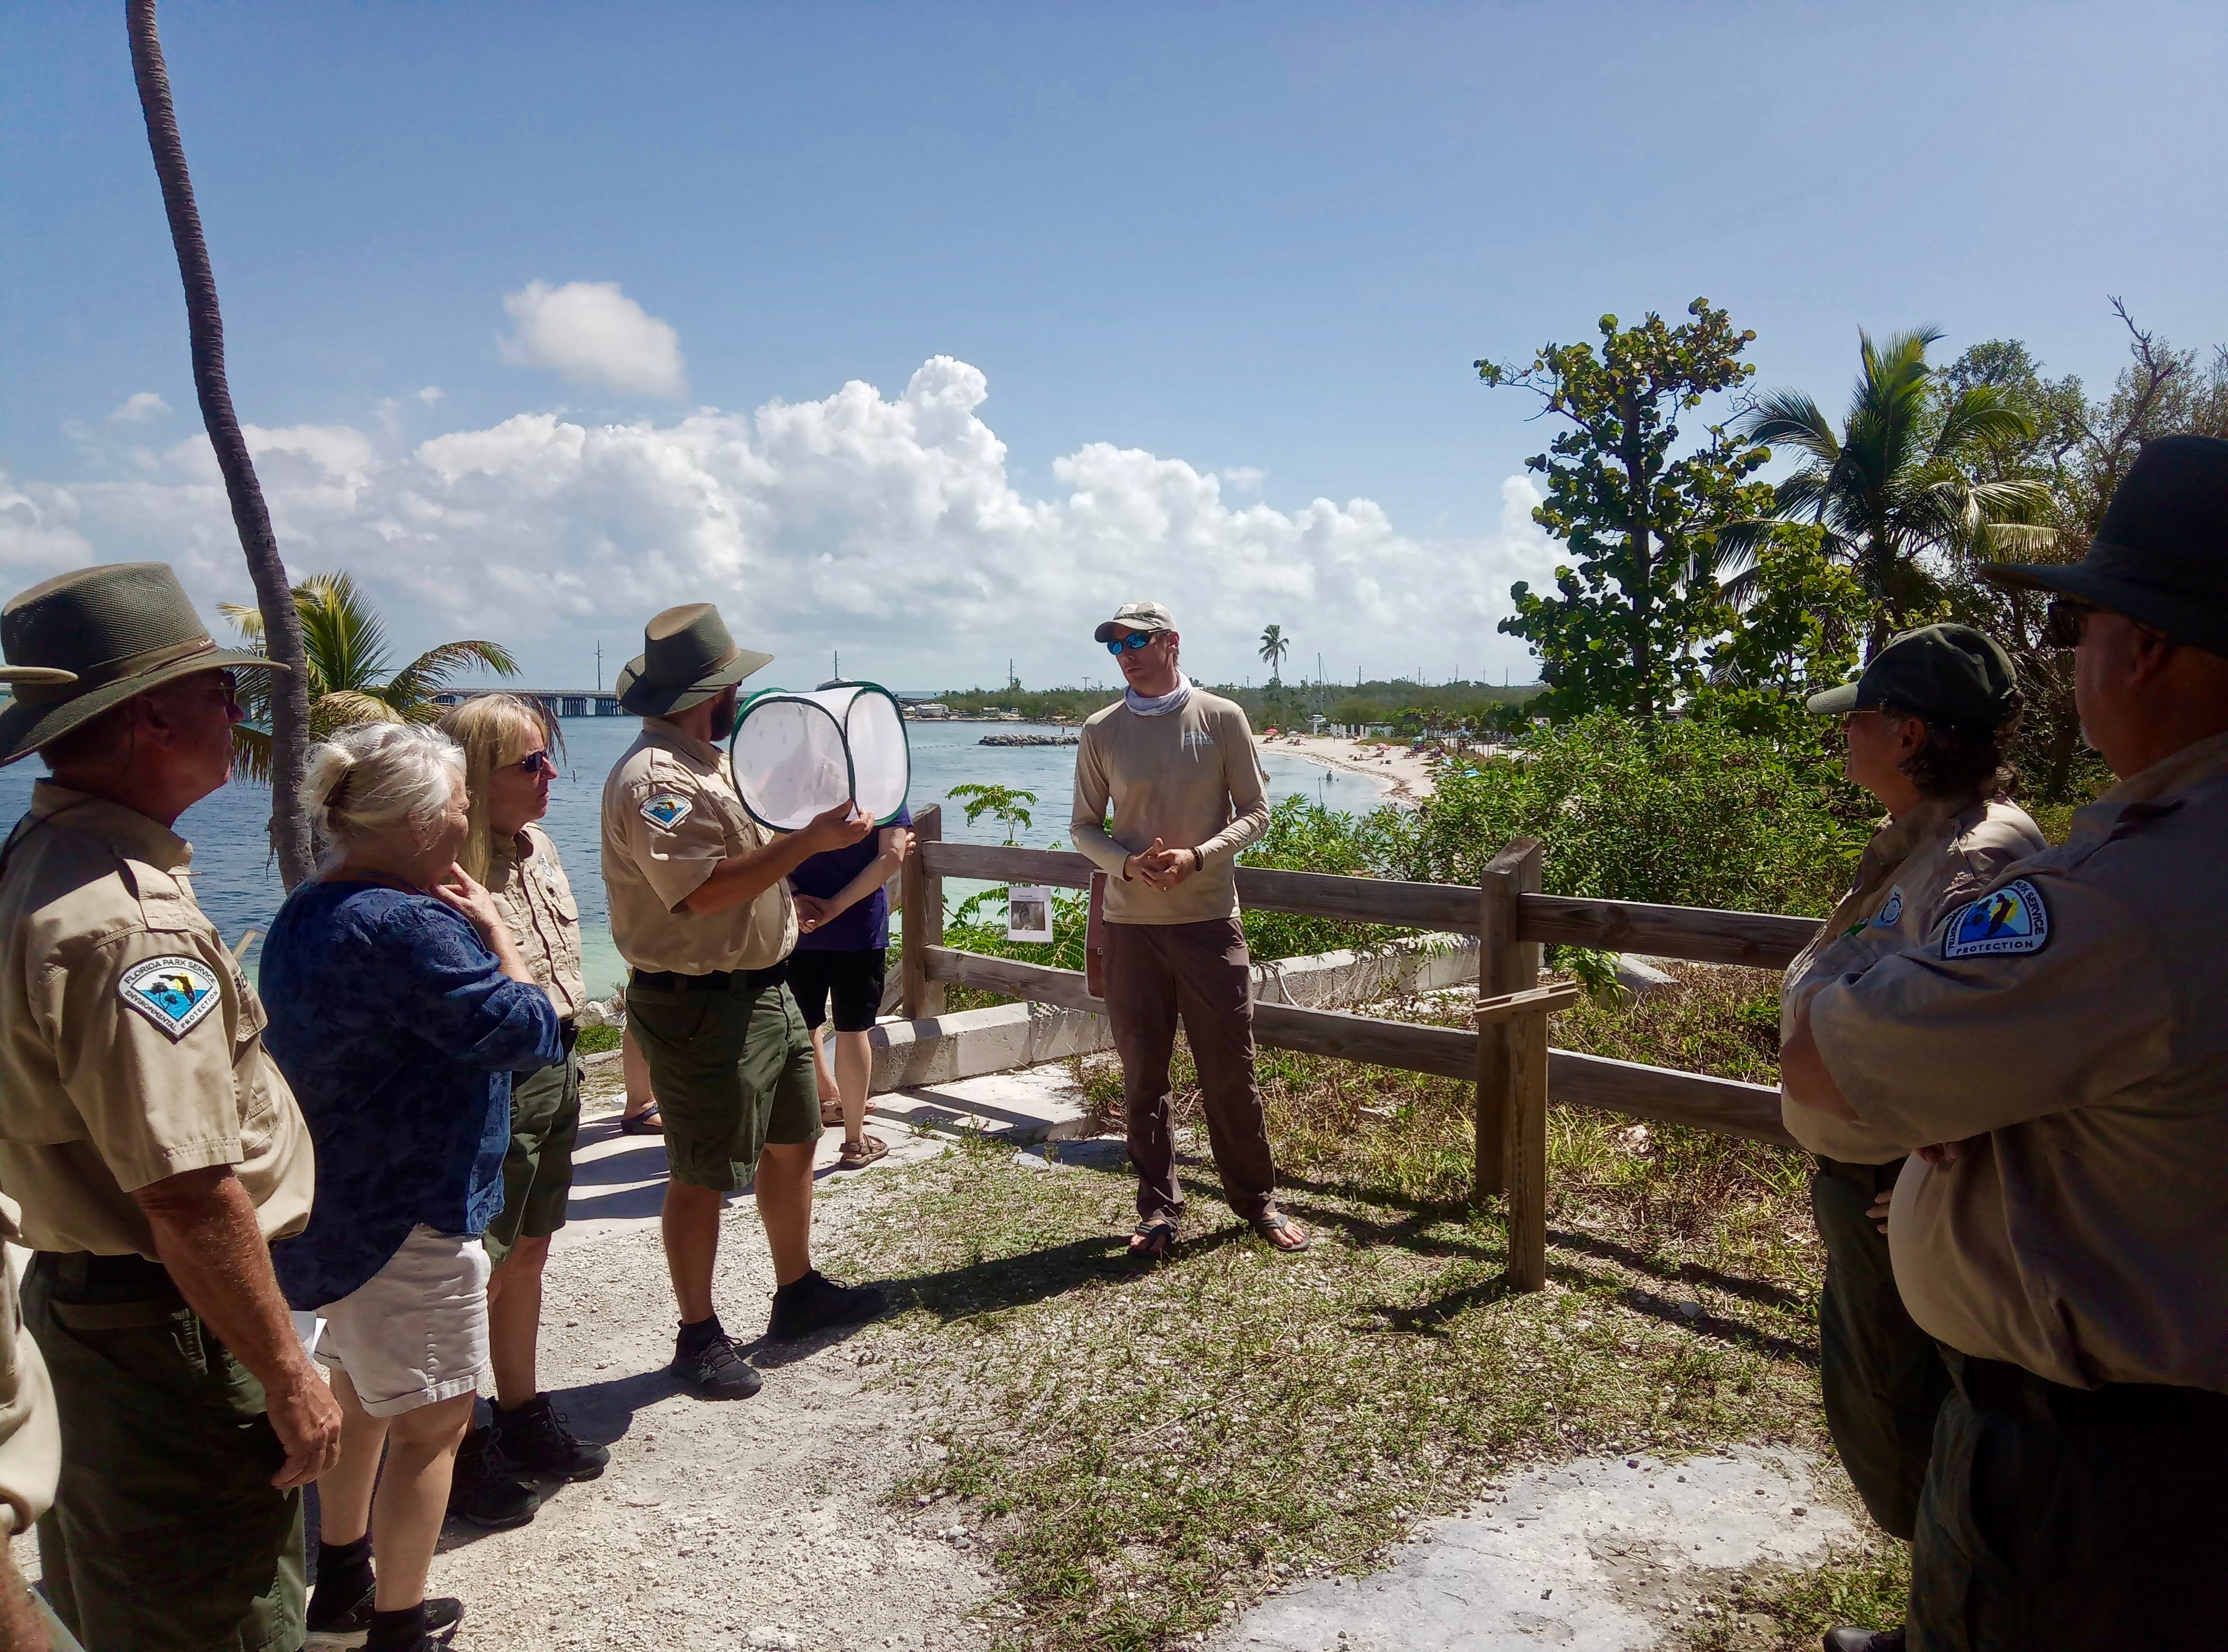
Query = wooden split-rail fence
x=1507 y=1056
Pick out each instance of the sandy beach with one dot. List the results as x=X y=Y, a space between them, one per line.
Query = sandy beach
x=1410 y=775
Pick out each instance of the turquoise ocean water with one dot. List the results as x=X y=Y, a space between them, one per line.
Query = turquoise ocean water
x=239 y=887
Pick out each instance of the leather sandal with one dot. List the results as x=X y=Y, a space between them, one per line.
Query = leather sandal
x=1159 y=1240
x=869 y=1148
x=1276 y=1223
x=648 y=1122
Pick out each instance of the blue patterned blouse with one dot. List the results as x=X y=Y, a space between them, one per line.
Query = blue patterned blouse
x=399 y=1033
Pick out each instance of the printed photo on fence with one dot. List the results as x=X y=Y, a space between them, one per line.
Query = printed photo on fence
x=1029 y=914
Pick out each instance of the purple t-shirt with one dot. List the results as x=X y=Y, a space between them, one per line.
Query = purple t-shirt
x=866 y=927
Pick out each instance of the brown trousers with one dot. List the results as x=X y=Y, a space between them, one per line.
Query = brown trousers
x=1156 y=974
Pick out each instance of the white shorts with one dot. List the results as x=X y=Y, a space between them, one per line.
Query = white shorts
x=416 y=1332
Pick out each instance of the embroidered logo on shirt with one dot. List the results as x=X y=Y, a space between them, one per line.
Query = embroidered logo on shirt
x=175 y=993
x=1192 y=737
x=2012 y=920
x=666 y=809
x=1891 y=910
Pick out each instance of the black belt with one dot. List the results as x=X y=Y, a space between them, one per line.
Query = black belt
x=81 y=1276
x=710 y=981
x=1996 y=1385
x=1874 y=1179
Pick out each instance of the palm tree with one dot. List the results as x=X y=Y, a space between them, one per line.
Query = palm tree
x=286 y=747
x=345 y=675
x=1274 y=646
x=1895 y=488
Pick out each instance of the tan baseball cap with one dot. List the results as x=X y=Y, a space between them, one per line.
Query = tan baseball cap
x=1137 y=617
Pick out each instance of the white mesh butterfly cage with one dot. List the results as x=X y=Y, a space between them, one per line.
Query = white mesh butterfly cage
x=797 y=753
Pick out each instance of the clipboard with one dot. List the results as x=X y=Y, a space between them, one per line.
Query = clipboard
x=1094 y=940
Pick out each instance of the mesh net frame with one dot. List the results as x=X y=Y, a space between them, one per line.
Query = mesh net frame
x=807 y=743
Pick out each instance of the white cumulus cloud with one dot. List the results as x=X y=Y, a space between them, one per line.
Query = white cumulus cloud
x=593 y=334
x=888 y=526
x=138 y=408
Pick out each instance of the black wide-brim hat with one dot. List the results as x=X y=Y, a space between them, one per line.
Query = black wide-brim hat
x=2161 y=556
x=85 y=641
x=686 y=657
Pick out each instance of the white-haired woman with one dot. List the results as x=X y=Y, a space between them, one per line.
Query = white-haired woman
x=506 y=740
x=399 y=1007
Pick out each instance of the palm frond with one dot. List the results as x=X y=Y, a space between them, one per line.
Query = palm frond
x=418 y=681
x=251 y=755
x=341 y=633
x=1788 y=418
x=249 y=622
x=344 y=708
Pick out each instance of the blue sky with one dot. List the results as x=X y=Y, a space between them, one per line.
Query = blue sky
x=1209 y=281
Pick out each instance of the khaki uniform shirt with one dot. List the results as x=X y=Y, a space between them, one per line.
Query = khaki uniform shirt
x=671 y=814
x=1190 y=779
x=1937 y=856
x=131 y=1043
x=2072 y=1020
x=30 y=1435
x=530 y=886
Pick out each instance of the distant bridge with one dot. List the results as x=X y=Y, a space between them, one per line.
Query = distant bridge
x=560 y=703
x=586 y=703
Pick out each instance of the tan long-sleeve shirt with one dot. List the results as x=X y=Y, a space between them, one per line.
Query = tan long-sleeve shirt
x=1190 y=779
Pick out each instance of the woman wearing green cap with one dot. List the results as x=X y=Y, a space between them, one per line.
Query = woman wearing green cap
x=1926 y=726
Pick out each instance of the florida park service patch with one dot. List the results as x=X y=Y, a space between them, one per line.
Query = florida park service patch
x=1891 y=910
x=175 y=993
x=2012 y=920
x=666 y=809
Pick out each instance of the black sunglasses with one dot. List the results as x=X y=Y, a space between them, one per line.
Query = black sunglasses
x=535 y=762
x=2065 y=620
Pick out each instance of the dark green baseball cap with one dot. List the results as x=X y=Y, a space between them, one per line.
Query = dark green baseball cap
x=1946 y=673
x=2160 y=555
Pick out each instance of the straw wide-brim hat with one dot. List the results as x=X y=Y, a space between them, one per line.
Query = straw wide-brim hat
x=686 y=657
x=84 y=643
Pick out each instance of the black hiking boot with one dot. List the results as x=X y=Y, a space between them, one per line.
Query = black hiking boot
x=817 y=1302
x=427 y=1627
x=1845 y=1639
x=486 y=1490
x=534 y=1441
x=340 y=1616
x=711 y=1367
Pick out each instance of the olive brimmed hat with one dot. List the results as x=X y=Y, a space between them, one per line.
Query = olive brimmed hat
x=2161 y=555
x=1946 y=673
x=686 y=657
x=84 y=643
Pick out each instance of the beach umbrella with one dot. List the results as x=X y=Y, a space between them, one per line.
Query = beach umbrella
x=796 y=753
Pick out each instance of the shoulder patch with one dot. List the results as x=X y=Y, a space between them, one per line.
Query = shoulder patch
x=2011 y=919
x=174 y=992
x=666 y=809
x=1890 y=910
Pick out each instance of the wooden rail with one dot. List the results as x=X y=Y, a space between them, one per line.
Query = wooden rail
x=1505 y=1056
x=1699 y=934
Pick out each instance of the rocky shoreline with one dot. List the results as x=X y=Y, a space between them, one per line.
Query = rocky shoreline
x=1030 y=739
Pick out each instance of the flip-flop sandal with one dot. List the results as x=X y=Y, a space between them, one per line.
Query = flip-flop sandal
x=870 y=1148
x=645 y=1123
x=1276 y=1222
x=1160 y=1238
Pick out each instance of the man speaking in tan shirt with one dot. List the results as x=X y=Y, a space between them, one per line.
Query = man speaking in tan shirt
x=1178 y=766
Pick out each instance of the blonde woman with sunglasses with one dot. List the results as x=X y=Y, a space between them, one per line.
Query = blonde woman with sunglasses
x=507 y=742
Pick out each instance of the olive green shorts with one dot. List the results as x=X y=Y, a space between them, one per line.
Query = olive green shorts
x=732 y=1071
x=537 y=1166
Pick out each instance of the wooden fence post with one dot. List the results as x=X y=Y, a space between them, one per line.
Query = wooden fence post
x=922 y=899
x=1504 y=965
x=1525 y=1152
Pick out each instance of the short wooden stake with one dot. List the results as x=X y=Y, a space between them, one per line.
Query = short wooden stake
x=1506 y=963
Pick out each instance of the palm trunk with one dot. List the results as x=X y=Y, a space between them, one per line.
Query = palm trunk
x=282 y=626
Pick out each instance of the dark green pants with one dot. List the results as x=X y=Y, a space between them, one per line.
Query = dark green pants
x=1883 y=1377
x=2035 y=1533
x=166 y=1534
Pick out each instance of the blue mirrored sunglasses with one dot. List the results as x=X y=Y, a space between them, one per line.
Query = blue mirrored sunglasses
x=1131 y=643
